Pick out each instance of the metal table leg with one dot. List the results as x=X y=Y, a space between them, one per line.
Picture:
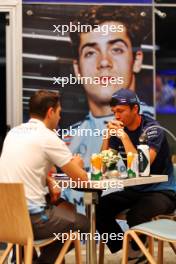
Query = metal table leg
x=90 y=199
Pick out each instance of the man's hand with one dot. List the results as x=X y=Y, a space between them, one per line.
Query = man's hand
x=78 y=160
x=121 y=134
x=115 y=124
x=116 y=128
x=54 y=190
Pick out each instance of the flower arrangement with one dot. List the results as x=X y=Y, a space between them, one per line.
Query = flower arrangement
x=109 y=157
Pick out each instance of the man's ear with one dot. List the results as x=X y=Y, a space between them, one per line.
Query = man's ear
x=76 y=68
x=138 y=61
x=137 y=109
x=49 y=112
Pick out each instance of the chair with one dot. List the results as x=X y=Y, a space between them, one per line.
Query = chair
x=16 y=228
x=162 y=230
x=171 y=216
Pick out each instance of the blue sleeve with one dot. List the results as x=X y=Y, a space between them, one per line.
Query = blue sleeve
x=155 y=138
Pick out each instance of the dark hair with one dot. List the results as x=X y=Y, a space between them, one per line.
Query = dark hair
x=132 y=106
x=137 y=21
x=41 y=101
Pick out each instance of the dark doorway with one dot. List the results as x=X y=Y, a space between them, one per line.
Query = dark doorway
x=3 y=123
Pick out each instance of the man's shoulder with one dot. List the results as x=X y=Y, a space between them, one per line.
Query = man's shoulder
x=153 y=130
x=147 y=110
x=150 y=125
x=149 y=121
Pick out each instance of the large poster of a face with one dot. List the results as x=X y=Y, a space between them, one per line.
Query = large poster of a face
x=87 y=52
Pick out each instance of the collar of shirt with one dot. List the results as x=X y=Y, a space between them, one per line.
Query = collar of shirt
x=36 y=121
x=99 y=121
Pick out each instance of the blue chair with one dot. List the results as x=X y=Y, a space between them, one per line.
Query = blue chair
x=173 y=215
x=162 y=230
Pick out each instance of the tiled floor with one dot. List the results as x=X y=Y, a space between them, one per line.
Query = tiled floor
x=169 y=256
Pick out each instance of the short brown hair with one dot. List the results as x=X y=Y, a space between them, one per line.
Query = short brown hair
x=41 y=101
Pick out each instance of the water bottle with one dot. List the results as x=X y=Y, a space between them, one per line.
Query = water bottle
x=144 y=160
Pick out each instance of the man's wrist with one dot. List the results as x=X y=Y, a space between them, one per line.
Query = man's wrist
x=105 y=144
x=106 y=141
x=124 y=137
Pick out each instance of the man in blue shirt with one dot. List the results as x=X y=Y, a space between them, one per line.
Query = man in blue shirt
x=144 y=201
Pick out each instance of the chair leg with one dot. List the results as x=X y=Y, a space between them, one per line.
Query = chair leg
x=77 y=251
x=101 y=252
x=18 y=254
x=160 y=251
x=125 y=248
x=6 y=253
x=63 y=261
x=151 y=245
x=28 y=252
x=142 y=247
x=173 y=246
x=63 y=251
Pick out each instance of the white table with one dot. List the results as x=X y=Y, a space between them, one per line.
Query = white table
x=91 y=189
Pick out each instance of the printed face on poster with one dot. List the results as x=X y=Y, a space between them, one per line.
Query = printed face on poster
x=87 y=52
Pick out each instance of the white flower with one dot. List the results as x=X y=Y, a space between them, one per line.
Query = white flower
x=109 y=157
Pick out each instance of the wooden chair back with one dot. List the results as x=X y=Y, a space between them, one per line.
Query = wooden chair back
x=15 y=224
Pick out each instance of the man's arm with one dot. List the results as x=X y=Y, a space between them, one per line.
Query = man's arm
x=115 y=128
x=153 y=155
x=74 y=169
x=129 y=147
x=110 y=131
x=54 y=190
x=59 y=154
x=126 y=141
x=105 y=144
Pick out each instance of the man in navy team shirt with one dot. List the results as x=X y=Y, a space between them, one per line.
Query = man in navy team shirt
x=144 y=201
